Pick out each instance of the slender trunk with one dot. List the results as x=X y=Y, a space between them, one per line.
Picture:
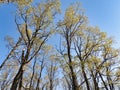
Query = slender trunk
x=32 y=74
x=67 y=83
x=17 y=78
x=95 y=82
x=111 y=86
x=74 y=80
x=38 y=81
x=19 y=75
x=43 y=87
x=85 y=77
x=40 y=74
x=51 y=84
x=21 y=78
x=103 y=81
x=51 y=77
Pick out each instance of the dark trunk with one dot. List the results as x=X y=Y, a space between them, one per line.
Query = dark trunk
x=95 y=82
x=103 y=82
x=20 y=82
x=51 y=84
x=85 y=77
x=74 y=80
x=17 y=79
x=40 y=74
x=32 y=74
x=111 y=86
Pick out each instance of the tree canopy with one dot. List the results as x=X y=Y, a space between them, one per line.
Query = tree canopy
x=84 y=60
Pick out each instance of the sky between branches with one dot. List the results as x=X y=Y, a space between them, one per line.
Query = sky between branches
x=102 y=13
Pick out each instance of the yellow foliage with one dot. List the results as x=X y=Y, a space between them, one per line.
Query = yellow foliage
x=37 y=41
x=80 y=33
x=70 y=16
x=29 y=10
x=118 y=73
x=103 y=35
x=93 y=62
x=44 y=13
x=24 y=2
x=106 y=64
x=47 y=48
x=25 y=33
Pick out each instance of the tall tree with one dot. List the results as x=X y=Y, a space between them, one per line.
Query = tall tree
x=38 y=18
x=73 y=19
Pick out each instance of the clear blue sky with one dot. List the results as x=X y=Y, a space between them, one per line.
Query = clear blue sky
x=102 y=13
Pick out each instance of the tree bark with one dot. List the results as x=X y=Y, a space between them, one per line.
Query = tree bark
x=17 y=78
x=96 y=87
x=74 y=80
x=85 y=77
x=103 y=81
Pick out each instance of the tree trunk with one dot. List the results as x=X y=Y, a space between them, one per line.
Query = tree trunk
x=96 y=87
x=74 y=80
x=17 y=78
x=32 y=73
x=103 y=81
x=85 y=77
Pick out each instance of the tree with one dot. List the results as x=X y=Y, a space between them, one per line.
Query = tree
x=39 y=18
x=73 y=19
x=89 y=44
x=86 y=59
x=84 y=50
